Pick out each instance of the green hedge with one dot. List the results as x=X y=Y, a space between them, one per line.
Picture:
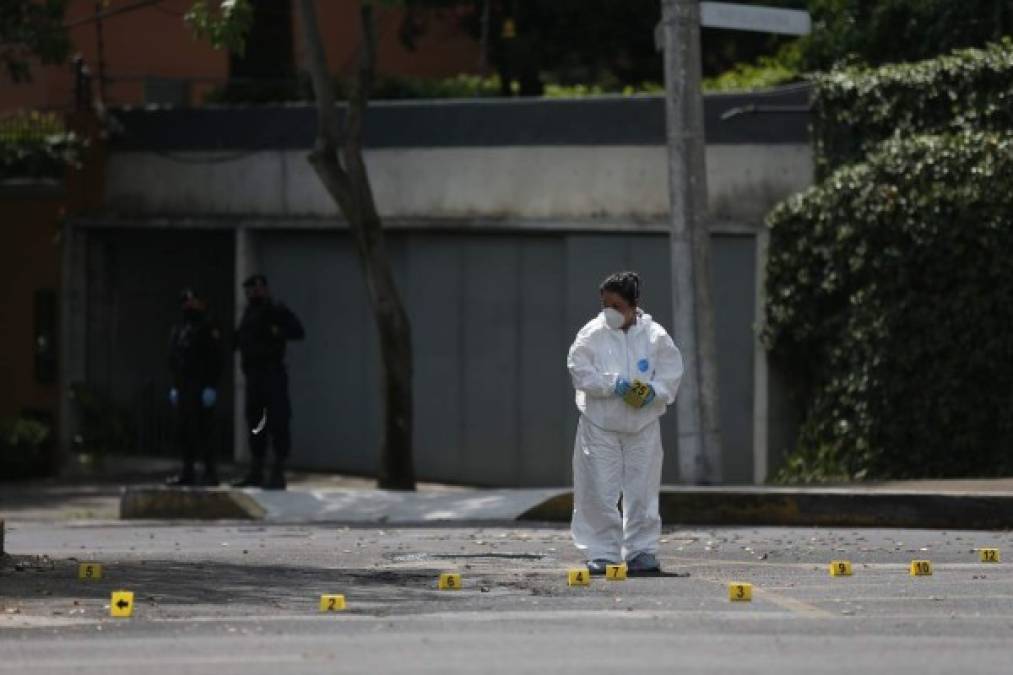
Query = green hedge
x=36 y=145
x=769 y=71
x=459 y=86
x=385 y=87
x=856 y=108
x=890 y=300
x=25 y=449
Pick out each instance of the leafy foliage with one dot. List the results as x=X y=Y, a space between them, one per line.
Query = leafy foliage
x=856 y=108
x=25 y=448
x=31 y=29
x=891 y=31
x=890 y=297
x=36 y=145
x=768 y=71
x=566 y=43
x=223 y=23
x=404 y=88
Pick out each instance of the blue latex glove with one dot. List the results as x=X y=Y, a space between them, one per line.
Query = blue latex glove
x=208 y=397
x=174 y=397
x=622 y=387
x=650 y=395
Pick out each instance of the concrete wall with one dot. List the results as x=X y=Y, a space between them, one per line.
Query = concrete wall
x=536 y=182
x=502 y=219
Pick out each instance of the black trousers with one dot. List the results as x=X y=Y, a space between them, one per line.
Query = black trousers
x=267 y=394
x=194 y=424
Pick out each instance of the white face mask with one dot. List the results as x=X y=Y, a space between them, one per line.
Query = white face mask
x=614 y=318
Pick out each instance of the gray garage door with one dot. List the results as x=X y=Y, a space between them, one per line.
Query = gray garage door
x=492 y=317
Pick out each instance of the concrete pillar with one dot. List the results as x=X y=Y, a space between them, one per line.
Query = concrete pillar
x=73 y=338
x=247 y=263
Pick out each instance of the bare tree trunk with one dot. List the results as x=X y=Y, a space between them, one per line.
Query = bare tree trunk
x=338 y=162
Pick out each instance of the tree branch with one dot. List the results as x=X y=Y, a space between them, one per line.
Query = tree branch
x=324 y=156
x=362 y=192
x=364 y=80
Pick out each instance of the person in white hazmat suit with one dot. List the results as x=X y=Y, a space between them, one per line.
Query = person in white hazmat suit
x=626 y=370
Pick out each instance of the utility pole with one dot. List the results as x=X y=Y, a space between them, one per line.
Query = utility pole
x=693 y=313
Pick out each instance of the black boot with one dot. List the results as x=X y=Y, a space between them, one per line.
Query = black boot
x=276 y=481
x=210 y=477
x=254 y=477
x=186 y=478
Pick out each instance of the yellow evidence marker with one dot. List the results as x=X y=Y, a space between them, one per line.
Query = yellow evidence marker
x=740 y=592
x=615 y=572
x=450 y=581
x=840 y=568
x=89 y=571
x=921 y=568
x=332 y=603
x=637 y=394
x=122 y=604
x=579 y=576
x=989 y=555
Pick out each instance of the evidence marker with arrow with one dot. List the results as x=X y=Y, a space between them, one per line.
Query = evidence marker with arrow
x=122 y=604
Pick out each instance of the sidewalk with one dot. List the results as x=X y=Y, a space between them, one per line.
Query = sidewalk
x=316 y=498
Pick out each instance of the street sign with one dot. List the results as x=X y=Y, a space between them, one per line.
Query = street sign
x=760 y=19
x=747 y=17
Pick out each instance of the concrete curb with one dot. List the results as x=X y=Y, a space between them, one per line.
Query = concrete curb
x=305 y=504
x=787 y=507
x=815 y=507
x=165 y=503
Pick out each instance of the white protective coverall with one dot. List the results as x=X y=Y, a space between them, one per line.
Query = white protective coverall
x=618 y=448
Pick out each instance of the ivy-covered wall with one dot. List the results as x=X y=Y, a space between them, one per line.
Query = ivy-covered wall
x=890 y=283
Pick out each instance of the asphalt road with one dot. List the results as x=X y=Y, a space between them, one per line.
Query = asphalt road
x=244 y=599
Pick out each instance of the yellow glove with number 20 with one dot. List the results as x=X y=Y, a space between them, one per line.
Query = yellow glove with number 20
x=639 y=395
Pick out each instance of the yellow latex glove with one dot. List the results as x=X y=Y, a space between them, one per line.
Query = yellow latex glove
x=638 y=394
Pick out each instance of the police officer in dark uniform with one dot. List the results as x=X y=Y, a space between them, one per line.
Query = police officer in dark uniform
x=195 y=360
x=264 y=330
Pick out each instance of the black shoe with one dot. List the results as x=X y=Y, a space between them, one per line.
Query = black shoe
x=645 y=564
x=597 y=566
x=209 y=479
x=185 y=479
x=252 y=479
x=276 y=481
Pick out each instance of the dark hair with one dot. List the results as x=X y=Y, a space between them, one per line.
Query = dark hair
x=255 y=280
x=625 y=284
